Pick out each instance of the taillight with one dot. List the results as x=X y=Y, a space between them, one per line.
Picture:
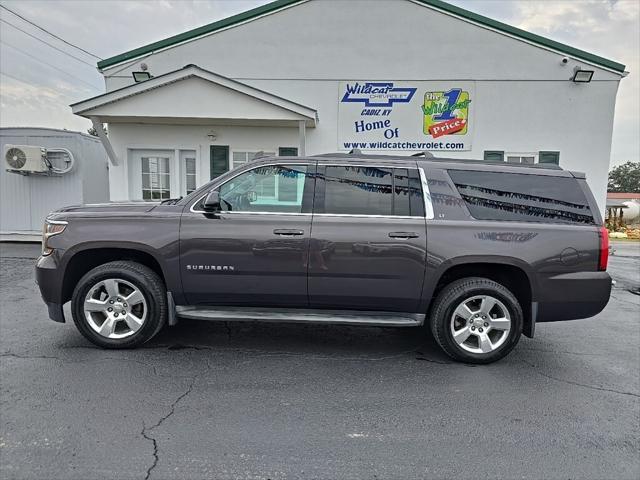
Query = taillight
x=603 y=257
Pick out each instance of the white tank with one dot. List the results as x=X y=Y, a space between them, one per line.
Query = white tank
x=632 y=212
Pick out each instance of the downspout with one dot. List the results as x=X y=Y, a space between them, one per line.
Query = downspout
x=97 y=125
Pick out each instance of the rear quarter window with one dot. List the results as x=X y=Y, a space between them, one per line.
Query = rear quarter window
x=523 y=197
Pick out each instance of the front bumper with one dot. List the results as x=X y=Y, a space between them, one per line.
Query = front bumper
x=572 y=296
x=49 y=278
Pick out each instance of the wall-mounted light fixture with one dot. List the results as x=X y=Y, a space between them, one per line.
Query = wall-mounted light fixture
x=141 y=76
x=582 y=76
x=212 y=136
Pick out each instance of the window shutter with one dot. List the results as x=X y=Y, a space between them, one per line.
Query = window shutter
x=219 y=160
x=494 y=155
x=287 y=152
x=549 y=157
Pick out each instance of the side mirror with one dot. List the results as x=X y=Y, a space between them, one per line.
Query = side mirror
x=212 y=202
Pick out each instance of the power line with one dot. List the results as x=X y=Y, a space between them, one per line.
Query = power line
x=39 y=87
x=49 y=65
x=48 y=32
x=27 y=83
x=46 y=43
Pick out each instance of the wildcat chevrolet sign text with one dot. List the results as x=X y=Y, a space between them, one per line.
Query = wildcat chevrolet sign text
x=385 y=115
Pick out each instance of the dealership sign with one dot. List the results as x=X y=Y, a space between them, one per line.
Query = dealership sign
x=412 y=116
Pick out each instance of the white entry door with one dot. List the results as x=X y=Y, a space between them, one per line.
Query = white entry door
x=152 y=174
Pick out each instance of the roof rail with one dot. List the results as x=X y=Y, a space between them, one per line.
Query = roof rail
x=423 y=154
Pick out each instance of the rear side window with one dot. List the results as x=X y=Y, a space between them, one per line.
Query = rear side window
x=521 y=197
x=359 y=190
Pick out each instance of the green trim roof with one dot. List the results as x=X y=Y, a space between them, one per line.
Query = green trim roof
x=438 y=4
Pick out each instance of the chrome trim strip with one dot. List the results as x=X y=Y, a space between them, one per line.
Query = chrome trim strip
x=406 y=217
x=56 y=222
x=428 y=203
x=263 y=213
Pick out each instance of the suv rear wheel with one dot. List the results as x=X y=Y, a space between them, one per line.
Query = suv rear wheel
x=476 y=320
x=119 y=304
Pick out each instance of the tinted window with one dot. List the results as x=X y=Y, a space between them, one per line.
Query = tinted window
x=520 y=197
x=266 y=189
x=407 y=193
x=371 y=191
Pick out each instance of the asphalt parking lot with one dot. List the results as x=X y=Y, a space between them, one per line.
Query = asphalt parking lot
x=207 y=400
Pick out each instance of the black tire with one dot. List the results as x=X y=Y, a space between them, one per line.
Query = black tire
x=452 y=296
x=144 y=279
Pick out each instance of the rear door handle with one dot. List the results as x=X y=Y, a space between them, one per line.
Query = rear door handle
x=286 y=232
x=403 y=235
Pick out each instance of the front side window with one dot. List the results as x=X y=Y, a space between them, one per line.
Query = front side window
x=156 y=178
x=360 y=190
x=272 y=188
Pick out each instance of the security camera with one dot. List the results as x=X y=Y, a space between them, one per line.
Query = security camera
x=565 y=60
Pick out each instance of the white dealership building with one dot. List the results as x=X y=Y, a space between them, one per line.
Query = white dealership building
x=297 y=77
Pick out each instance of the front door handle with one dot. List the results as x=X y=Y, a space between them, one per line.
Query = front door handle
x=286 y=232
x=403 y=235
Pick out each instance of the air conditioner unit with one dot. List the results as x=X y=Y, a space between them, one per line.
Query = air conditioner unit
x=25 y=159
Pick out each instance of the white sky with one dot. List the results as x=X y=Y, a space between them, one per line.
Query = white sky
x=33 y=93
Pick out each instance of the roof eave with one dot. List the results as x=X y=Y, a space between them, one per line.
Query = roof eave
x=197 y=32
x=84 y=107
x=435 y=4
x=524 y=35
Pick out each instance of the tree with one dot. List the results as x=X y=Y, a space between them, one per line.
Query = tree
x=625 y=178
x=92 y=131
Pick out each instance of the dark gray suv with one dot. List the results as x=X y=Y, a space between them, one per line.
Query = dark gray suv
x=480 y=252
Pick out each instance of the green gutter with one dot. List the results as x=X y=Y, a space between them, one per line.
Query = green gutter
x=197 y=32
x=438 y=4
x=531 y=37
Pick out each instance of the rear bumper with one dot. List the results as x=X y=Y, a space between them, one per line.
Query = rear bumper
x=572 y=296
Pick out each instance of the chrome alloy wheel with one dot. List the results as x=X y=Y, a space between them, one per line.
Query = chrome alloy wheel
x=480 y=324
x=115 y=308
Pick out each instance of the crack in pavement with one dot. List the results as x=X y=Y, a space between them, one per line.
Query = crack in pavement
x=146 y=431
x=84 y=360
x=585 y=385
x=580 y=354
x=15 y=355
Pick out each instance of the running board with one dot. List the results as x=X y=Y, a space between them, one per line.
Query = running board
x=336 y=317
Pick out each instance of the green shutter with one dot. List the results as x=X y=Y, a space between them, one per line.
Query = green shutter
x=219 y=160
x=549 y=157
x=494 y=155
x=287 y=152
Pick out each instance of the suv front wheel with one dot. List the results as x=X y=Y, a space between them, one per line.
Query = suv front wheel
x=119 y=304
x=476 y=320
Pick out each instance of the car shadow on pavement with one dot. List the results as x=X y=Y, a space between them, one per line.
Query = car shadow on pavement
x=338 y=340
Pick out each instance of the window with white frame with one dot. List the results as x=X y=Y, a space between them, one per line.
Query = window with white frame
x=518 y=157
x=188 y=165
x=240 y=158
x=156 y=178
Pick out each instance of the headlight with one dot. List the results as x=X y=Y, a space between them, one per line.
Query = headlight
x=50 y=229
